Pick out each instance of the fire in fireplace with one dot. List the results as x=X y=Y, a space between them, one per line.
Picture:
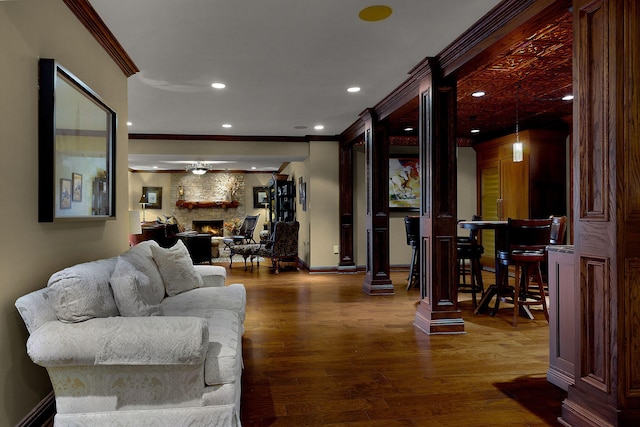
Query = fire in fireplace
x=215 y=227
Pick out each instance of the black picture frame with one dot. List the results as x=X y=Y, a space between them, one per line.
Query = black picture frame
x=153 y=196
x=260 y=197
x=404 y=183
x=76 y=138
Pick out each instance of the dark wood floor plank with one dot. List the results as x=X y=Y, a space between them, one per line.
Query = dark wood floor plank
x=318 y=351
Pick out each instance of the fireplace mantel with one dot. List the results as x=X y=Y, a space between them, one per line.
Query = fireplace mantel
x=212 y=204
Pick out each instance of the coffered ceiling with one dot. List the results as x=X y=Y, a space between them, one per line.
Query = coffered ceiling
x=529 y=77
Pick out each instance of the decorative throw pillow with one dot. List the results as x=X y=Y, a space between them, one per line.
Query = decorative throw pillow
x=176 y=268
x=141 y=258
x=133 y=291
x=82 y=292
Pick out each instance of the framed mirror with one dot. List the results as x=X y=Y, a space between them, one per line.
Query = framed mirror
x=77 y=139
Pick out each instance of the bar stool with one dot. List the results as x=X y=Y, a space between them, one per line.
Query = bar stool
x=470 y=250
x=412 y=228
x=527 y=242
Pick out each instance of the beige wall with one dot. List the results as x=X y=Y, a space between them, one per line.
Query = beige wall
x=32 y=251
x=322 y=203
x=399 y=251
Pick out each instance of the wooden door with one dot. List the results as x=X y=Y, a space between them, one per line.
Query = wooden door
x=514 y=180
x=489 y=182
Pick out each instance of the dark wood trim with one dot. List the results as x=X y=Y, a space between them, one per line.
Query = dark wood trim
x=438 y=311
x=353 y=132
x=42 y=414
x=377 y=279
x=88 y=16
x=345 y=206
x=238 y=138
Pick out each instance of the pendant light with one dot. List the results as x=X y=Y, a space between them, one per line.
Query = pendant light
x=518 y=149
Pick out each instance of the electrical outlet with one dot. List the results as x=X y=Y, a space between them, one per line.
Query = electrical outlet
x=336 y=249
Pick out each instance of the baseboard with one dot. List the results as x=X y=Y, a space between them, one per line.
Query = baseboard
x=42 y=414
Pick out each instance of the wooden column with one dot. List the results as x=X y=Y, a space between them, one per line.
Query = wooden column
x=607 y=214
x=377 y=280
x=346 y=262
x=438 y=311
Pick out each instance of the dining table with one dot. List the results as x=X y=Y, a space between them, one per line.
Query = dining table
x=500 y=237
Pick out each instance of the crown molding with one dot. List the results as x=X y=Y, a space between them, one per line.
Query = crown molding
x=88 y=16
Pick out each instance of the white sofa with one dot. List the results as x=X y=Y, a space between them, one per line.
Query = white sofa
x=145 y=338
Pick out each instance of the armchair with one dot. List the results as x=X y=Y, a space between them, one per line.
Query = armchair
x=244 y=234
x=282 y=245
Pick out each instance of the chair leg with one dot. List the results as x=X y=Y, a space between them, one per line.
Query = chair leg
x=474 y=284
x=542 y=294
x=501 y=282
x=412 y=268
x=516 y=295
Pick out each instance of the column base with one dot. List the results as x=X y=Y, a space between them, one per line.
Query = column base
x=440 y=322
x=580 y=409
x=378 y=287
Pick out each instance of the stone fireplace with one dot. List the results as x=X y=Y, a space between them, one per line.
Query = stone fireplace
x=215 y=227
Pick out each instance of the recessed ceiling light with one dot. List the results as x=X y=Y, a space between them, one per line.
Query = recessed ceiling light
x=218 y=85
x=300 y=127
x=375 y=13
x=478 y=94
x=129 y=123
x=253 y=168
x=155 y=167
x=226 y=125
x=318 y=127
x=567 y=97
x=408 y=129
x=353 y=89
x=475 y=130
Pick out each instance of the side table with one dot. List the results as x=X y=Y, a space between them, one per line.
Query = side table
x=198 y=245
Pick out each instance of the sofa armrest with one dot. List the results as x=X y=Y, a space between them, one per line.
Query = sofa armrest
x=153 y=340
x=212 y=275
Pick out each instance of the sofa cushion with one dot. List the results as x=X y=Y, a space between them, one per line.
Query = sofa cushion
x=176 y=268
x=141 y=258
x=82 y=292
x=133 y=291
x=199 y=302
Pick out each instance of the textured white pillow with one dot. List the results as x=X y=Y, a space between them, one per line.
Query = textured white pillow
x=82 y=292
x=141 y=258
x=133 y=291
x=176 y=268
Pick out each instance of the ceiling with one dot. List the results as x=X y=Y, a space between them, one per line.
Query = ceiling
x=287 y=66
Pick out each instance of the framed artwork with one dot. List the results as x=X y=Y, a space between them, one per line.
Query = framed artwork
x=260 y=197
x=77 y=139
x=153 y=196
x=65 y=193
x=76 y=182
x=404 y=183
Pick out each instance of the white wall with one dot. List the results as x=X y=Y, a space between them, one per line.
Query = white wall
x=31 y=251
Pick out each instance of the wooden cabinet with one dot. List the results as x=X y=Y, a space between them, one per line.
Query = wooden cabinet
x=282 y=201
x=532 y=188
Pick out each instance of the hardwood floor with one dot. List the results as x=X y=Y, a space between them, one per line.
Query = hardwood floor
x=320 y=352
